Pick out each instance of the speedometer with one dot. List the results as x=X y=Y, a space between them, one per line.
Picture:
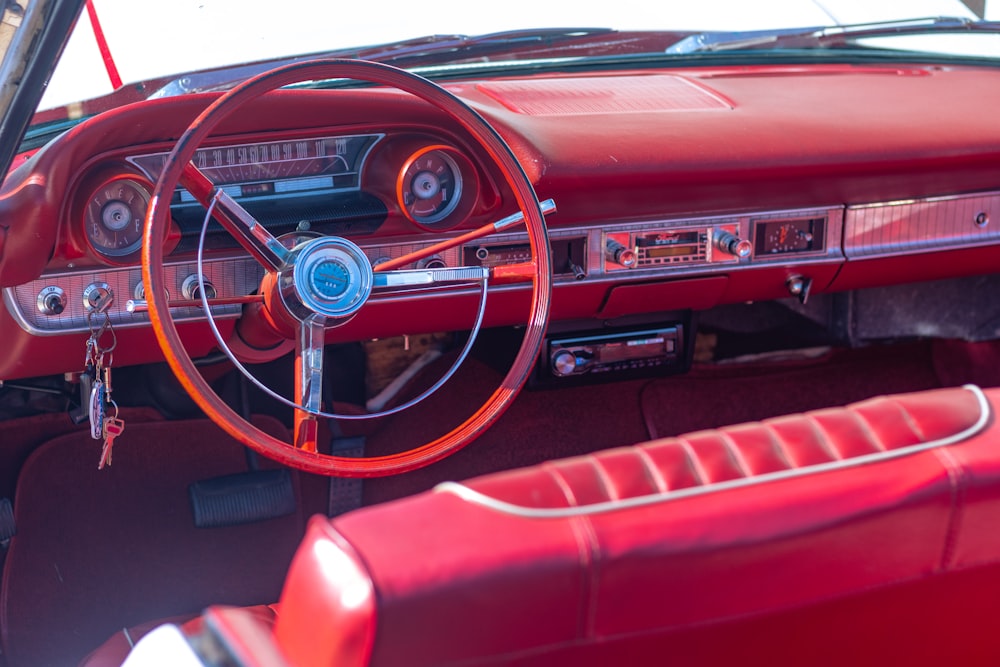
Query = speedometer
x=277 y=167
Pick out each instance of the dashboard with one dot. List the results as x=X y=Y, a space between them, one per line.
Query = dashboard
x=674 y=191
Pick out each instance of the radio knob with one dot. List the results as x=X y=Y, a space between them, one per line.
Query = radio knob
x=563 y=362
x=619 y=254
x=734 y=245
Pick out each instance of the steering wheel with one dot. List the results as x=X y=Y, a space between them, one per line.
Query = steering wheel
x=298 y=290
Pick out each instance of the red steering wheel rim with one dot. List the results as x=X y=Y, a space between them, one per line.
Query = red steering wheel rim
x=198 y=388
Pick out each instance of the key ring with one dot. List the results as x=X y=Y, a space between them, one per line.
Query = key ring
x=96 y=333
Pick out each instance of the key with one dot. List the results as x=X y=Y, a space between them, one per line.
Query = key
x=113 y=427
x=96 y=412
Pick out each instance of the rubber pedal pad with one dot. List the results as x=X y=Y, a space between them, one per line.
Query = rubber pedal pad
x=247 y=497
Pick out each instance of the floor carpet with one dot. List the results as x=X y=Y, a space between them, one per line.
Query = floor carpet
x=97 y=551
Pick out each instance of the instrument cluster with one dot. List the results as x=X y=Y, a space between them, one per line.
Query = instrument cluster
x=331 y=184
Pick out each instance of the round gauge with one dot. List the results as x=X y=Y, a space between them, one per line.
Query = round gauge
x=114 y=215
x=429 y=186
x=790 y=236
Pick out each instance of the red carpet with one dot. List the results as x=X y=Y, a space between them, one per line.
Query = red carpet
x=100 y=550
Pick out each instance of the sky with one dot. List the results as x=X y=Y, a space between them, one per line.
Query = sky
x=149 y=38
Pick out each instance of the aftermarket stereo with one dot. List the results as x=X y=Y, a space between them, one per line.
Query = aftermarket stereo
x=638 y=352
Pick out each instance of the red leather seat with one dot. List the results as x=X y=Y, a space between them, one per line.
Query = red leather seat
x=864 y=534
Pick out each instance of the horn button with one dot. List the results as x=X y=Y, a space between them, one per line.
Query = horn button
x=330 y=276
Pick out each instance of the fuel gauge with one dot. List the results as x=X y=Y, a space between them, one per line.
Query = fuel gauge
x=114 y=216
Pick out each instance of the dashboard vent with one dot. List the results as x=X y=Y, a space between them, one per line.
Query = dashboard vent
x=605 y=95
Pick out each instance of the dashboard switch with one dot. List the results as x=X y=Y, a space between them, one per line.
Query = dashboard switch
x=51 y=300
x=191 y=290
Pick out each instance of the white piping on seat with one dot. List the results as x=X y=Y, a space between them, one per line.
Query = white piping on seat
x=473 y=496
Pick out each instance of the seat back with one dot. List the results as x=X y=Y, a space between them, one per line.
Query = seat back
x=862 y=533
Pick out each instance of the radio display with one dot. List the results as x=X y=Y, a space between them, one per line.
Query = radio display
x=631 y=349
x=667 y=239
x=655 y=252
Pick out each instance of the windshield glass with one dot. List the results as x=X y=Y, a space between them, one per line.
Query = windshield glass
x=193 y=35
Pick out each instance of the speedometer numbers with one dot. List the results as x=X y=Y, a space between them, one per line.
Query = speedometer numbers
x=114 y=214
x=436 y=187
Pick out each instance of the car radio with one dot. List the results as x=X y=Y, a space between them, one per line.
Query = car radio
x=642 y=352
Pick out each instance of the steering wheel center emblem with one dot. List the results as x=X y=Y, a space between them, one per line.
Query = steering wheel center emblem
x=332 y=277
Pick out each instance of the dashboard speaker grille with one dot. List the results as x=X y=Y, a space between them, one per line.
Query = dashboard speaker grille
x=604 y=95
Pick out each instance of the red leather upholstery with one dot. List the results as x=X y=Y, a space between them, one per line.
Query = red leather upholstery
x=719 y=546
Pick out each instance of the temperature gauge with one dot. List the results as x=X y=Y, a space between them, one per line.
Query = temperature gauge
x=429 y=187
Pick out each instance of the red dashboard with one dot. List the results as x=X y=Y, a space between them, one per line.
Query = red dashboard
x=675 y=190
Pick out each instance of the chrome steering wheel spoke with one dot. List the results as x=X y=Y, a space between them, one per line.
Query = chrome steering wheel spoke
x=243 y=227
x=309 y=381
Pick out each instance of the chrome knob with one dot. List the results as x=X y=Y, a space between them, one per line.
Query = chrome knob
x=563 y=362
x=730 y=243
x=432 y=262
x=799 y=286
x=51 y=300
x=190 y=289
x=619 y=254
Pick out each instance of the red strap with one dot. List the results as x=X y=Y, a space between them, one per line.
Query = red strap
x=102 y=44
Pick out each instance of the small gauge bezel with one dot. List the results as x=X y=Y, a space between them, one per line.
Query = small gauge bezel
x=90 y=187
x=98 y=201
x=466 y=188
x=764 y=246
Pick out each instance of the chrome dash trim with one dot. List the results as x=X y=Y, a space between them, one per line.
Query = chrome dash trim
x=231 y=277
x=921 y=225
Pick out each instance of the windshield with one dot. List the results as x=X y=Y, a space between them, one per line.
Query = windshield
x=193 y=35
